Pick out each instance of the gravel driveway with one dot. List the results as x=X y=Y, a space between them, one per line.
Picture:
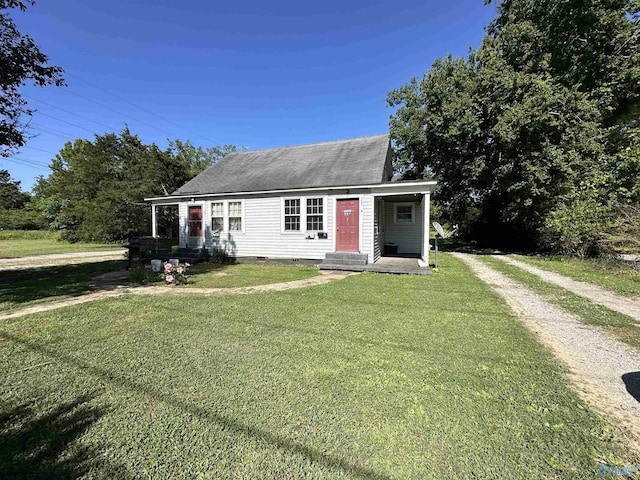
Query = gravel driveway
x=624 y=305
x=604 y=371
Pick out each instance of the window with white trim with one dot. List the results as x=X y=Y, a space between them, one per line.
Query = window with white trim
x=291 y=214
x=235 y=216
x=403 y=212
x=315 y=214
x=217 y=217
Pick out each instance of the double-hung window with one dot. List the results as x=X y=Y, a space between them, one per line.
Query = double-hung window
x=292 y=215
x=404 y=213
x=235 y=216
x=315 y=214
x=217 y=217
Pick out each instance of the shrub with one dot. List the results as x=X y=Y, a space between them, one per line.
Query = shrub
x=140 y=275
x=21 y=220
x=217 y=255
x=174 y=274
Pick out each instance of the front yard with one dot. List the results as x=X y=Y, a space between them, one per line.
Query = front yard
x=373 y=376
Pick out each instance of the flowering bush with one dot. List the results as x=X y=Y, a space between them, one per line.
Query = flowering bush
x=174 y=274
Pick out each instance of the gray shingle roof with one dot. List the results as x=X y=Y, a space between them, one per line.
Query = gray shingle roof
x=359 y=161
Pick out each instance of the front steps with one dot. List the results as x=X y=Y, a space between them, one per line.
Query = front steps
x=345 y=259
x=358 y=262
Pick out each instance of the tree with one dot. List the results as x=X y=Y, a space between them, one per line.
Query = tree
x=11 y=196
x=96 y=189
x=513 y=130
x=20 y=61
x=197 y=159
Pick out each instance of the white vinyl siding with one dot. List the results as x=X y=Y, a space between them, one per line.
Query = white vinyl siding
x=367 y=226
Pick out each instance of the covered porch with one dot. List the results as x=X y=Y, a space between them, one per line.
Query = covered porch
x=401 y=229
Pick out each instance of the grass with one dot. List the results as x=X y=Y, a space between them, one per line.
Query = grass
x=371 y=377
x=616 y=276
x=215 y=275
x=14 y=244
x=229 y=275
x=621 y=326
x=20 y=288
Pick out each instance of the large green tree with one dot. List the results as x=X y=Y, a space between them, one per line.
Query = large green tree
x=11 y=195
x=21 y=61
x=528 y=126
x=96 y=189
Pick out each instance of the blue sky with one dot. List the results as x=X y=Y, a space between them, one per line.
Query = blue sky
x=253 y=74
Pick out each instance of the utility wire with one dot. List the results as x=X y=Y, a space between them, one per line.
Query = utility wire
x=28 y=163
x=118 y=112
x=54 y=132
x=40 y=150
x=68 y=123
x=141 y=108
x=70 y=113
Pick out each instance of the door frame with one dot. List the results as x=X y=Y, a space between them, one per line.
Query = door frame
x=204 y=225
x=335 y=219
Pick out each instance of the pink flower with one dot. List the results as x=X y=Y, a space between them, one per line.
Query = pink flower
x=168 y=266
x=169 y=278
x=179 y=269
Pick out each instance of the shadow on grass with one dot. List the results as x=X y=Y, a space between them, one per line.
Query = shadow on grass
x=42 y=447
x=31 y=284
x=230 y=424
x=632 y=382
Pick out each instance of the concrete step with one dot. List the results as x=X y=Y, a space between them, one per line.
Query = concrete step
x=346 y=258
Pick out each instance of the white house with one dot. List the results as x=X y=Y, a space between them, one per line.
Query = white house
x=304 y=202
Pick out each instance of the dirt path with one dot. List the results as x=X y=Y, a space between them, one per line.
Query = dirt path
x=52 y=260
x=604 y=371
x=625 y=305
x=114 y=284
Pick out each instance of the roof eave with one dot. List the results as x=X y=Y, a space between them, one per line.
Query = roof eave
x=404 y=187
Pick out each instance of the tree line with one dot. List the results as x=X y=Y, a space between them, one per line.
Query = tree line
x=534 y=136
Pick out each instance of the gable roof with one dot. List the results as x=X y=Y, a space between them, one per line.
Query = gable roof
x=359 y=161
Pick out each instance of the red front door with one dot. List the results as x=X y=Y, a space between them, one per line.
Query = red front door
x=195 y=226
x=347 y=226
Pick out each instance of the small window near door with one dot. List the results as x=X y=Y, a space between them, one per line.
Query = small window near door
x=217 y=217
x=403 y=213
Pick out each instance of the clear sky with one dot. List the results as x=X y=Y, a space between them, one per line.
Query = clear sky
x=251 y=73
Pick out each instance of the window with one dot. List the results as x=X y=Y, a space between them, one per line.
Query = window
x=315 y=214
x=217 y=217
x=404 y=213
x=292 y=215
x=235 y=216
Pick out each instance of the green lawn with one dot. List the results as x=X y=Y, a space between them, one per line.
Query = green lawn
x=215 y=275
x=20 y=288
x=371 y=377
x=621 y=326
x=616 y=276
x=24 y=244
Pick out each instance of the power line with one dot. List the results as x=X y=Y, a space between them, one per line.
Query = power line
x=141 y=108
x=40 y=150
x=53 y=131
x=28 y=163
x=118 y=112
x=68 y=123
x=70 y=113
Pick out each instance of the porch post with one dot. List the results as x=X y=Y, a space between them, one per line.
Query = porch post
x=153 y=220
x=426 y=199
